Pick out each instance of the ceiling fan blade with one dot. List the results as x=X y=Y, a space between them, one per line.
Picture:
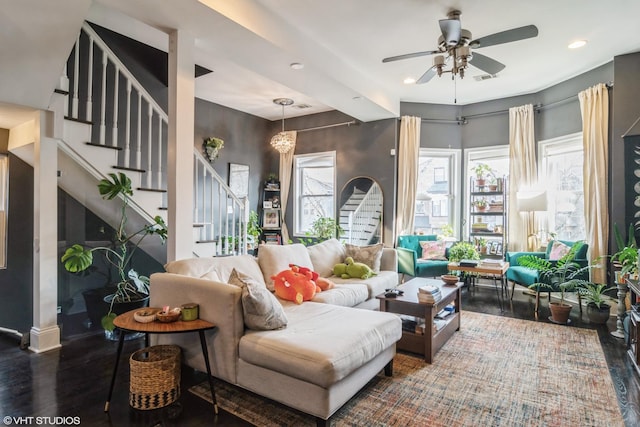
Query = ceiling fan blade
x=486 y=64
x=428 y=75
x=507 y=36
x=451 y=31
x=410 y=55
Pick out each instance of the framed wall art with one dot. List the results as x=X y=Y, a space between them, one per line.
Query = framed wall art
x=239 y=179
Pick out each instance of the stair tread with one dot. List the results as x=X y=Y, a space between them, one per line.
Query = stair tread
x=157 y=190
x=124 y=168
x=96 y=144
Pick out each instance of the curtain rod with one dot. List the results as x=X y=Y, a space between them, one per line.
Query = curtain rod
x=536 y=107
x=352 y=122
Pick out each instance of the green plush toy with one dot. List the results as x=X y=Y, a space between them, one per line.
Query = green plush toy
x=351 y=269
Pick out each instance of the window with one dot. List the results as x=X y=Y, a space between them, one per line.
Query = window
x=314 y=188
x=560 y=172
x=436 y=191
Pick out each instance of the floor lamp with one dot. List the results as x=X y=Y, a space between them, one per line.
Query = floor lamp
x=532 y=202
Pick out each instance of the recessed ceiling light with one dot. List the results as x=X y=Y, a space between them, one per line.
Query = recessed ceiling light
x=409 y=81
x=296 y=66
x=576 y=44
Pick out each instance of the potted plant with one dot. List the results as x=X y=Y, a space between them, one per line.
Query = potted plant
x=131 y=287
x=463 y=250
x=563 y=275
x=481 y=205
x=253 y=229
x=212 y=147
x=481 y=170
x=598 y=310
x=323 y=228
x=626 y=258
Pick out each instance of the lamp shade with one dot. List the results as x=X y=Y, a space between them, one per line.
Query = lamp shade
x=531 y=201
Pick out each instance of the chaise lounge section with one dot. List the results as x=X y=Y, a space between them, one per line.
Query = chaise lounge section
x=324 y=355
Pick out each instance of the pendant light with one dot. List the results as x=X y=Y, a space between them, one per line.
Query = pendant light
x=282 y=141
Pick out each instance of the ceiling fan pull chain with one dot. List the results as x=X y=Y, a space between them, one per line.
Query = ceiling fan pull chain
x=455 y=89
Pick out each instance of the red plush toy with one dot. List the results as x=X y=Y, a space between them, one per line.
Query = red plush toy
x=294 y=285
x=322 y=284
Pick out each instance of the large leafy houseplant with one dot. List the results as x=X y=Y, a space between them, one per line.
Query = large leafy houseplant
x=323 y=228
x=130 y=286
x=463 y=250
x=563 y=275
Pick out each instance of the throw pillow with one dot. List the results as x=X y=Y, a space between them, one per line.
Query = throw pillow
x=261 y=308
x=369 y=255
x=558 y=250
x=433 y=249
x=275 y=258
x=325 y=255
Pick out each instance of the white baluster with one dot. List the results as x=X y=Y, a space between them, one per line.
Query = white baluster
x=159 y=151
x=64 y=85
x=149 y=122
x=139 y=135
x=103 y=100
x=127 y=137
x=116 y=96
x=76 y=79
x=90 y=82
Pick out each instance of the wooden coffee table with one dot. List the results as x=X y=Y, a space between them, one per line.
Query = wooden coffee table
x=496 y=272
x=126 y=323
x=408 y=304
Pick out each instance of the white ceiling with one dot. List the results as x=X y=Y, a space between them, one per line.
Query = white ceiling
x=249 y=44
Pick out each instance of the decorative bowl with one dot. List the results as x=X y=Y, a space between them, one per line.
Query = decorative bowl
x=449 y=279
x=146 y=315
x=168 y=316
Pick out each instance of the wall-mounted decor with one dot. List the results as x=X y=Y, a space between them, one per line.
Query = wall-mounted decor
x=212 y=147
x=239 y=179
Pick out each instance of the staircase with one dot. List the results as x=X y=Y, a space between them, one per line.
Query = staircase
x=360 y=216
x=112 y=125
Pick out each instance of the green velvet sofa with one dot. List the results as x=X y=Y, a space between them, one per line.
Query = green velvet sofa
x=409 y=252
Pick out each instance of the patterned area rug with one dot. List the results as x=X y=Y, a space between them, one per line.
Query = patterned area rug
x=496 y=371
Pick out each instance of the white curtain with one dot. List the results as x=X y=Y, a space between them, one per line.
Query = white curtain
x=522 y=176
x=285 y=170
x=594 y=106
x=408 y=154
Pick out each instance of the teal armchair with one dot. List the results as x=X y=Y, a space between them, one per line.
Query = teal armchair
x=409 y=253
x=526 y=276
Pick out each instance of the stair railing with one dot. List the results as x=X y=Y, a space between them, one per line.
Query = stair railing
x=218 y=213
x=364 y=220
x=121 y=97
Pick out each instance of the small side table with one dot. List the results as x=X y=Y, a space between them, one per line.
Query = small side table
x=126 y=323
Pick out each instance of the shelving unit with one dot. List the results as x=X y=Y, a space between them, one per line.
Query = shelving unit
x=271 y=214
x=489 y=223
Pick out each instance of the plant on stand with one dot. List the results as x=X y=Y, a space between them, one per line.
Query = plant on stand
x=253 y=230
x=626 y=259
x=323 y=228
x=482 y=170
x=131 y=286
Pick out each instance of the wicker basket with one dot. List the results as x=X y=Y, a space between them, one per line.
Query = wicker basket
x=155 y=377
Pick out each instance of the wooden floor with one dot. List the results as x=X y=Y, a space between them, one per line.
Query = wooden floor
x=73 y=381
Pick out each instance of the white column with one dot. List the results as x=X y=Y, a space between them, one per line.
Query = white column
x=45 y=333
x=180 y=145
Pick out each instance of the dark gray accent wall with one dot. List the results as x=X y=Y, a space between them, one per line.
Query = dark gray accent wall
x=363 y=149
x=16 y=281
x=245 y=140
x=626 y=109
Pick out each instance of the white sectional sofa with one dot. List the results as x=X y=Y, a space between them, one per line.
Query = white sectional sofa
x=328 y=349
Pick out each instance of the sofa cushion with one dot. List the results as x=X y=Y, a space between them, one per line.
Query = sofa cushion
x=275 y=258
x=376 y=284
x=216 y=268
x=369 y=255
x=344 y=295
x=558 y=250
x=262 y=310
x=317 y=346
x=433 y=249
x=325 y=255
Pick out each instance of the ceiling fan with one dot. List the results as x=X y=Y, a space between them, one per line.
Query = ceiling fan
x=455 y=44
